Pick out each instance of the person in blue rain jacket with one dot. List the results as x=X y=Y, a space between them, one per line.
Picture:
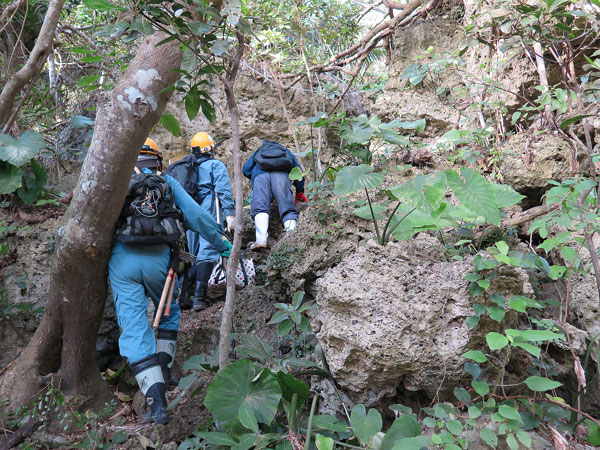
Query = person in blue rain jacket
x=268 y=168
x=137 y=272
x=213 y=184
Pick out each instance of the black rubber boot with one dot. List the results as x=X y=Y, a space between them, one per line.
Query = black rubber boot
x=166 y=343
x=149 y=376
x=203 y=271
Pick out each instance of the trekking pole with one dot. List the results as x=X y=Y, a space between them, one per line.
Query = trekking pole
x=163 y=297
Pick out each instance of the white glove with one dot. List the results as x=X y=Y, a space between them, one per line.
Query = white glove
x=230 y=224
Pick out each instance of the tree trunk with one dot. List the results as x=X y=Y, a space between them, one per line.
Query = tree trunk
x=64 y=343
x=228 y=308
x=35 y=62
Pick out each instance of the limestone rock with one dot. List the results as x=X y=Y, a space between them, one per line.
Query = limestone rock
x=530 y=161
x=394 y=318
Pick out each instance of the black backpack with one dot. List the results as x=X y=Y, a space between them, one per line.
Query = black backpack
x=149 y=215
x=186 y=172
x=273 y=157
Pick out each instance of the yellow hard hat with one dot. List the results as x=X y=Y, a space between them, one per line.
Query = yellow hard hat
x=151 y=148
x=202 y=143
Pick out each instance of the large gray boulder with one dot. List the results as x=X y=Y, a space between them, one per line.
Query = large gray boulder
x=393 y=318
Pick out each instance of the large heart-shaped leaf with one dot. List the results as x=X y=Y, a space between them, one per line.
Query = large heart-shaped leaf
x=365 y=425
x=239 y=383
x=10 y=178
x=475 y=193
x=20 y=151
x=403 y=427
x=359 y=131
x=354 y=178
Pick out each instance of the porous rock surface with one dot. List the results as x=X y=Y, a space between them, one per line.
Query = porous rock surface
x=530 y=161
x=394 y=318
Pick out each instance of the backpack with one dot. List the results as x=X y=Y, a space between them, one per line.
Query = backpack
x=149 y=215
x=186 y=172
x=273 y=157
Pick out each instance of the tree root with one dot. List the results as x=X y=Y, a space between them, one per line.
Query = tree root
x=20 y=435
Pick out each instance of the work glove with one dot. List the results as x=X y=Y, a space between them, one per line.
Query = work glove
x=230 y=224
x=227 y=252
x=300 y=197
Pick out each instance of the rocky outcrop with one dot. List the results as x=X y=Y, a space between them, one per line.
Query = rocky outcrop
x=530 y=161
x=393 y=318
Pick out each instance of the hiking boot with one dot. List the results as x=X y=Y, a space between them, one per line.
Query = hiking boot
x=203 y=271
x=166 y=343
x=289 y=225
x=149 y=376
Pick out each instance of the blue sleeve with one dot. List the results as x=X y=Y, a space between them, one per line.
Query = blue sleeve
x=196 y=218
x=248 y=166
x=298 y=184
x=223 y=188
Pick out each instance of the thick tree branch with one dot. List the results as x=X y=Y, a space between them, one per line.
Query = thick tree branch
x=34 y=63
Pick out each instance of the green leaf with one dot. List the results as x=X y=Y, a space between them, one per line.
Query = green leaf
x=208 y=110
x=216 y=438
x=192 y=102
x=102 y=5
x=364 y=425
x=566 y=123
x=413 y=443
x=170 y=123
x=20 y=151
x=540 y=335
x=506 y=196
x=489 y=437
x=475 y=355
x=353 y=178
x=471 y=322
x=481 y=387
x=524 y=438
x=512 y=442
x=474 y=193
x=295 y=174
x=502 y=247
x=290 y=386
x=255 y=348
x=364 y=212
x=405 y=426
x=535 y=351
x=474 y=412
x=199 y=27
x=219 y=47
x=238 y=382
x=33 y=183
x=189 y=61
x=454 y=427
x=278 y=317
x=285 y=327
x=328 y=422
x=496 y=341
x=359 y=130
x=593 y=433
x=484 y=284
x=323 y=443
x=246 y=441
x=88 y=80
x=247 y=417
x=510 y=413
x=462 y=395
x=496 y=313
x=10 y=178
x=540 y=384
x=518 y=303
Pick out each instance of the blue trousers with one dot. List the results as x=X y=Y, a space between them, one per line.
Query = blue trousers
x=137 y=272
x=199 y=246
x=273 y=185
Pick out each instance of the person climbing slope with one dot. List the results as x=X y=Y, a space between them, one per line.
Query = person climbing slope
x=268 y=168
x=211 y=188
x=149 y=226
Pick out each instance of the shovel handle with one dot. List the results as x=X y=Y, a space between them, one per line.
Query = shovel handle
x=163 y=298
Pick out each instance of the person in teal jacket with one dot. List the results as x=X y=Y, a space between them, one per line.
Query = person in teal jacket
x=213 y=184
x=137 y=272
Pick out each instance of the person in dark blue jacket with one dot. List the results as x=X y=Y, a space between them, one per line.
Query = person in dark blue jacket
x=139 y=271
x=268 y=168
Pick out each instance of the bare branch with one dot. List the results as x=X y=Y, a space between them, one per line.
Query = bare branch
x=34 y=63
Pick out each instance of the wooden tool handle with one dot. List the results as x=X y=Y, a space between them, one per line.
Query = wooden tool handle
x=170 y=296
x=163 y=298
